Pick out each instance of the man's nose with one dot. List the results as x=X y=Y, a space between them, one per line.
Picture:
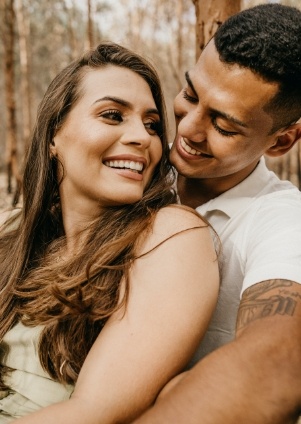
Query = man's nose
x=192 y=126
x=190 y=120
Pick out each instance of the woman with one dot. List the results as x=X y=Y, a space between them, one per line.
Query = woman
x=107 y=286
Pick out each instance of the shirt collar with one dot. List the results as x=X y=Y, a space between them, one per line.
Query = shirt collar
x=240 y=195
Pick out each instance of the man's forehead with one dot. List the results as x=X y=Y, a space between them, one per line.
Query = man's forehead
x=211 y=76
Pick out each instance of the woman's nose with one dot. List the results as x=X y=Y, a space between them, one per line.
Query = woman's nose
x=137 y=134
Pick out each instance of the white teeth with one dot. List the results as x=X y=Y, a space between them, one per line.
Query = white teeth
x=189 y=149
x=134 y=166
x=137 y=166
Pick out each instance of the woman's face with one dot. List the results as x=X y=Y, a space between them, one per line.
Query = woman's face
x=109 y=144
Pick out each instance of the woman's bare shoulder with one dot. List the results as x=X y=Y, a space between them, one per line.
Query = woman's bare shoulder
x=175 y=218
x=171 y=221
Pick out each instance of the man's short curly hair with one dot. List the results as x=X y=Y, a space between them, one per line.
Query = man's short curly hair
x=267 y=40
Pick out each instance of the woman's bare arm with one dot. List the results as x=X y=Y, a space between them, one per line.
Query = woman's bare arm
x=173 y=292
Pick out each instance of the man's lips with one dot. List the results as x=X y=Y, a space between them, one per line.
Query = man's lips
x=190 y=150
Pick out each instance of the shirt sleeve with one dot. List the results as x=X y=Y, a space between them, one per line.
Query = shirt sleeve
x=273 y=246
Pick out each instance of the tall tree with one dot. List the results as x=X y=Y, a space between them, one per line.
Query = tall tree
x=23 y=30
x=73 y=51
x=11 y=128
x=210 y=14
x=175 y=16
x=179 y=13
x=90 y=25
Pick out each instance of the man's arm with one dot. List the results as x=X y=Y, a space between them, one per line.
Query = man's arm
x=256 y=379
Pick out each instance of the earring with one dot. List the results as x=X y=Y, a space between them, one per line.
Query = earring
x=53 y=155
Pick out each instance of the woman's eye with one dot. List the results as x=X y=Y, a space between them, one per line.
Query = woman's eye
x=222 y=131
x=188 y=97
x=154 y=127
x=112 y=115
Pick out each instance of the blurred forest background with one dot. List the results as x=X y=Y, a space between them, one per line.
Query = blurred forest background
x=40 y=37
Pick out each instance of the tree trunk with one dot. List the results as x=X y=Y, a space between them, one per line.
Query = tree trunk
x=74 y=48
x=23 y=29
x=90 y=25
x=175 y=50
x=179 y=13
x=11 y=137
x=136 y=17
x=210 y=14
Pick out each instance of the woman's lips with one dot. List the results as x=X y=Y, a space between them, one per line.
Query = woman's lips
x=129 y=166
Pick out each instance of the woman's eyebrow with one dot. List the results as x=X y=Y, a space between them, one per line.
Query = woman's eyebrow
x=124 y=103
x=114 y=99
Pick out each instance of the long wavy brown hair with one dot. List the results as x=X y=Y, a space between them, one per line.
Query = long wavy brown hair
x=73 y=299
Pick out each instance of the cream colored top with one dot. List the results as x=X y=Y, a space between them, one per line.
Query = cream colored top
x=31 y=388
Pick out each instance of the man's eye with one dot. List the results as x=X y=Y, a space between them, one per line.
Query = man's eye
x=154 y=127
x=112 y=115
x=222 y=131
x=189 y=98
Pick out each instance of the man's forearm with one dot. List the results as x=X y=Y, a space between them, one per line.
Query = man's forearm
x=253 y=380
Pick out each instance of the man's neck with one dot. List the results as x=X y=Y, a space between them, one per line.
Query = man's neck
x=194 y=192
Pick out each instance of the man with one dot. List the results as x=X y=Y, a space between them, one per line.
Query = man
x=243 y=100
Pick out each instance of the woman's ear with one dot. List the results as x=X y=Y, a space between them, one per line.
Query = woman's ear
x=52 y=148
x=285 y=140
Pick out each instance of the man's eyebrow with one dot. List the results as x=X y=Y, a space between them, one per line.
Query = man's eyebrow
x=229 y=117
x=124 y=103
x=189 y=82
x=215 y=111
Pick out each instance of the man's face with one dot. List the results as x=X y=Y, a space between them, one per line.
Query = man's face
x=223 y=129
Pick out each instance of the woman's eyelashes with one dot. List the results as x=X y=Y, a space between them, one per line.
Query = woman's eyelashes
x=153 y=127
x=112 y=115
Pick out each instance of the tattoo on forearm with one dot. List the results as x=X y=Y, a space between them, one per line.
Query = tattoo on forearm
x=261 y=301
x=260 y=289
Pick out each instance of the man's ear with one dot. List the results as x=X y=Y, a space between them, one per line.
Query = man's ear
x=285 y=140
